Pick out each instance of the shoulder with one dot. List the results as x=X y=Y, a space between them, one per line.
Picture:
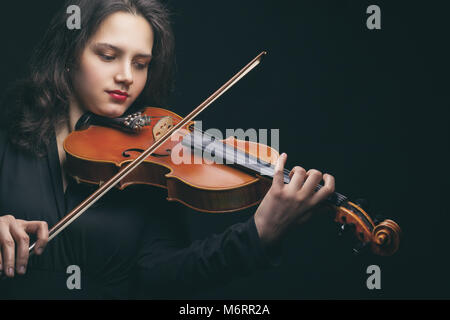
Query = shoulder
x=11 y=103
x=26 y=125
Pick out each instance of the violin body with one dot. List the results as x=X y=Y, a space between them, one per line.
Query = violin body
x=96 y=154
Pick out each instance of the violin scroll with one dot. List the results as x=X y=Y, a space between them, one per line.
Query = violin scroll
x=386 y=238
x=383 y=238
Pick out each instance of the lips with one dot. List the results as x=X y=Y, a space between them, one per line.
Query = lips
x=118 y=95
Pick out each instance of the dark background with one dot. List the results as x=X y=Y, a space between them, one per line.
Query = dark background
x=368 y=106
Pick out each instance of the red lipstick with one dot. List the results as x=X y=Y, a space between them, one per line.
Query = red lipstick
x=118 y=95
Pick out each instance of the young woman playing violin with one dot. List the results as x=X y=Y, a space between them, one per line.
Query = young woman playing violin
x=120 y=59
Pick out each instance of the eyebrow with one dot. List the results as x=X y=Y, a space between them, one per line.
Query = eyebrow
x=110 y=46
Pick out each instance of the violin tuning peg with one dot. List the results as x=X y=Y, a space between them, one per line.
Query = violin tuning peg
x=341 y=229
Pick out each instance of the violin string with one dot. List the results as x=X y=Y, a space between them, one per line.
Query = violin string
x=341 y=198
x=285 y=171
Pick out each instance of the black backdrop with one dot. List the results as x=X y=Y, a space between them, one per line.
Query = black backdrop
x=368 y=106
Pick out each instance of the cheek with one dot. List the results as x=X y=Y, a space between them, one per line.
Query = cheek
x=139 y=83
x=92 y=76
x=89 y=85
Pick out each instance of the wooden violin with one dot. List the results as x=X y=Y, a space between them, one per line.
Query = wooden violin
x=136 y=149
x=241 y=177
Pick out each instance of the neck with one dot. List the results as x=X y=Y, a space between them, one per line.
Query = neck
x=63 y=130
x=75 y=113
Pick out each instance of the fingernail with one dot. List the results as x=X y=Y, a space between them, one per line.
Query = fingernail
x=11 y=271
x=22 y=269
x=39 y=250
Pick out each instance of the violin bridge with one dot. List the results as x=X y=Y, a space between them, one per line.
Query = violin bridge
x=161 y=127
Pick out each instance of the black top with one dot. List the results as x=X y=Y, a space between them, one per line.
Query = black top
x=131 y=244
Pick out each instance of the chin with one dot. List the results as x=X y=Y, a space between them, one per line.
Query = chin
x=113 y=111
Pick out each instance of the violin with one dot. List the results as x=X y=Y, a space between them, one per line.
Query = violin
x=242 y=176
x=146 y=148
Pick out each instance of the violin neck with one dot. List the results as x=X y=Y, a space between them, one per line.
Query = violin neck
x=215 y=149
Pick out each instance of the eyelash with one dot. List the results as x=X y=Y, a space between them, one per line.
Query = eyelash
x=108 y=58
x=141 y=66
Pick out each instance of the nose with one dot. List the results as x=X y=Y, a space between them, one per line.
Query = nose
x=124 y=75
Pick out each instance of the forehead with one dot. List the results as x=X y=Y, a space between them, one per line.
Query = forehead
x=127 y=31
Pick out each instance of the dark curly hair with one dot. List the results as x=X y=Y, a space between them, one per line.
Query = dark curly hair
x=33 y=106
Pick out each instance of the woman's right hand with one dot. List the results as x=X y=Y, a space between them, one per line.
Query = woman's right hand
x=14 y=239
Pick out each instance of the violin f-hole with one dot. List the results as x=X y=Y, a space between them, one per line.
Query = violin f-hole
x=126 y=155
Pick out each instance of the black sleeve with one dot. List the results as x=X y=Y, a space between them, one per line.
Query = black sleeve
x=168 y=268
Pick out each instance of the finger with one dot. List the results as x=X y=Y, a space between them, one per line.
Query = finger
x=313 y=178
x=7 y=248
x=278 y=176
x=40 y=228
x=298 y=176
x=22 y=241
x=326 y=190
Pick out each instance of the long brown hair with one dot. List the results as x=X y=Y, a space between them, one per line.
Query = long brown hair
x=33 y=106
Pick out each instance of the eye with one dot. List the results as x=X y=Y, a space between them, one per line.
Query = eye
x=140 y=66
x=107 y=57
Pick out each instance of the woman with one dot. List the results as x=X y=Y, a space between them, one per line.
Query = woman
x=119 y=60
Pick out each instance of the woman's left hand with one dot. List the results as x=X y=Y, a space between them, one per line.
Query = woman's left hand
x=288 y=204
